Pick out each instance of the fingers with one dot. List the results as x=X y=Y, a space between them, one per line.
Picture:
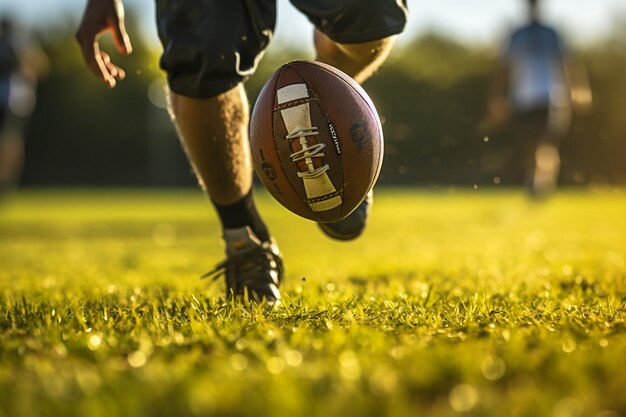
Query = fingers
x=99 y=17
x=114 y=72
x=100 y=64
x=91 y=53
x=121 y=38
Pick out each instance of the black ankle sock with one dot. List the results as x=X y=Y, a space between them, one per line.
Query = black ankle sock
x=243 y=213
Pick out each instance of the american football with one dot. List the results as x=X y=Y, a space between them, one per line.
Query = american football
x=316 y=140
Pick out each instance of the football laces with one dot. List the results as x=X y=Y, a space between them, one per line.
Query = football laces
x=307 y=153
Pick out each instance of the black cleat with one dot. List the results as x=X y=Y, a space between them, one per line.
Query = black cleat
x=352 y=226
x=253 y=269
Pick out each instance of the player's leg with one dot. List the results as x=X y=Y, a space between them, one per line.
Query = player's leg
x=358 y=60
x=213 y=131
x=11 y=159
x=210 y=110
x=355 y=36
x=547 y=160
x=14 y=117
x=547 y=164
x=11 y=146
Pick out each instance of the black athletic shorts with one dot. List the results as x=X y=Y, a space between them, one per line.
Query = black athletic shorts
x=212 y=45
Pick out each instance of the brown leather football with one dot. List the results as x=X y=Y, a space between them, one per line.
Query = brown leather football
x=316 y=140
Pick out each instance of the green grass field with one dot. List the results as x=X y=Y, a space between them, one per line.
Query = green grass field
x=470 y=303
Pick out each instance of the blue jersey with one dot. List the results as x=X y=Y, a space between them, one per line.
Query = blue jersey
x=536 y=60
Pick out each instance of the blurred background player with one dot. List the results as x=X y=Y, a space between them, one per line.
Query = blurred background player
x=535 y=88
x=22 y=63
x=210 y=48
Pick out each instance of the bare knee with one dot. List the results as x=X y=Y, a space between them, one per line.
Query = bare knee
x=230 y=104
x=359 y=60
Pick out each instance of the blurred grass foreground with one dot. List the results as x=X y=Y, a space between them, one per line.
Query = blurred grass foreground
x=477 y=304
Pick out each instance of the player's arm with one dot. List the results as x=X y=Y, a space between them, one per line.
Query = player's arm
x=34 y=62
x=576 y=77
x=580 y=89
x=103 y=16
x=498 y=108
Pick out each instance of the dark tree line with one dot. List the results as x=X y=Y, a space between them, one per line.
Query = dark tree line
x=431 y=96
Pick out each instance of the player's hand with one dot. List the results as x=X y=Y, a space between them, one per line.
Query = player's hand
x=102 y=16
x=498 y=113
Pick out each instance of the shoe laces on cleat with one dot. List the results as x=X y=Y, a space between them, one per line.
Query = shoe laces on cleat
x=252 y=269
